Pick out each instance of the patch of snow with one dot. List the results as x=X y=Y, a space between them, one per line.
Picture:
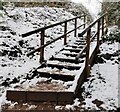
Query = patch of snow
x=94 y=6
x=103 y=81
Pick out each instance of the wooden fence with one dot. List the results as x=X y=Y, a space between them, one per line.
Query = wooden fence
x=42 y=33
x=101 y=22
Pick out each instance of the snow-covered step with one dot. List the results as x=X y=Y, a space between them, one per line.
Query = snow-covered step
x=64 y=59
x=71 y=54
x=72 y=50
x=57 y=74
x=68 y=60
x=80 y=43
x=63 y=65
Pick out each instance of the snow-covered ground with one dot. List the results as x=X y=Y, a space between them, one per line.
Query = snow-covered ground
x=102 y=85
x=14 y=64
x=93 y=6
x=100 y=92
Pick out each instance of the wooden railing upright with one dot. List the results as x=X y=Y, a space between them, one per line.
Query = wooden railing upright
x=102 y=24
x=42 y=33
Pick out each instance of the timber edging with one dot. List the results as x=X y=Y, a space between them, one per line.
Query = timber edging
x=40 y=96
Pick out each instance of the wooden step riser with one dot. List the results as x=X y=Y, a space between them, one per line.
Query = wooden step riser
x=71 y=55
x=62 y=66
x=64 y=60
x=39 y=96
x=72 y=50
x=56 y=76
x=75 y=46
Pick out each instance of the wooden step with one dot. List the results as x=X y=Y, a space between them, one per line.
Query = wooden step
x=65 y=60
x=75 y=46
x=78 y=43
x=72 y=50
x=57 y=75
x=71 y=54
x=81 y=41
x=40 y=96
x=66 y=66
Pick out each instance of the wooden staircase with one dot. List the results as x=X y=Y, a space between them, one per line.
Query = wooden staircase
x=70 y=64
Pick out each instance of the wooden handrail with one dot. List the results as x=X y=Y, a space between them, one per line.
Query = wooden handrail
x=91 y=25
x=88 y=28
x=50 y=26
x=42 y=32
x=45 y=45
x=88 y=31
x=80 y=53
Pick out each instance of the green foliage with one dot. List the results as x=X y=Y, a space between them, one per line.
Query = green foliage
x=113 y=36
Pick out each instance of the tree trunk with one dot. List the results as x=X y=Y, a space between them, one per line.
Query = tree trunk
x=119 y=23
x=1 y=7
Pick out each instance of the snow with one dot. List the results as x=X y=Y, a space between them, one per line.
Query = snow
x=93 y=6
x=22 y=20
x=103 y=82
x=102 y=85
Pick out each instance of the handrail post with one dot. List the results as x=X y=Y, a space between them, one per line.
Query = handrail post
x=102 y=25
x=84 y=20
x=106 y=17
x=42 y=49
x=87 y=63
x=98 y=35
x=65 y=31
x=75 y=27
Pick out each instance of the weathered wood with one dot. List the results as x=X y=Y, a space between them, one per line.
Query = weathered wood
x=102 y=25
x=47 y=27
x=75 y=33
x=98 y=35
x=84 y=20
x=57 y=75
x=40 y=96
x=19 y=96
x=54 y=40
x=65 y=60
x=61 y=66
x=42 y=49
x=65 y=31
x=91 y=25
x=87 y=67
x=72 y=50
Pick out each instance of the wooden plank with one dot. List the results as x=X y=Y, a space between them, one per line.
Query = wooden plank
x=65 y=60
x=65 y=31
x=57 y=75
x=61 y=66
x=70 y=54
x=87 y=53
x=65 y=97
x=41 y=44
x=14 y=95
x=41 y=96
x=72 y=50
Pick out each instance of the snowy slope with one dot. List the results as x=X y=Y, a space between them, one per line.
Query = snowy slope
x=14 y=64
x=102 y=86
